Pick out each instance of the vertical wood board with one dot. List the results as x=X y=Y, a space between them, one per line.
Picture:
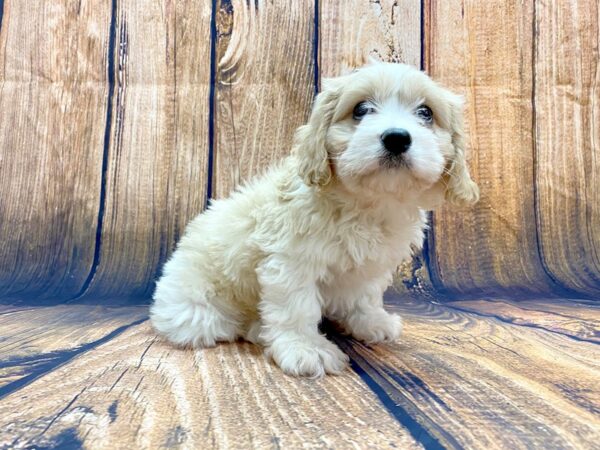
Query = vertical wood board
x=353 y=31
x=264 y=85
x=53 y=93
x=567 y=131
x=350 y=33
x=483 y=50
x=158 y=141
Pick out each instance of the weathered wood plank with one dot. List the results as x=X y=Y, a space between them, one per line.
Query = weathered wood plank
x=157 y=166
x=34 y=341
x=581 y=321
x=484 y=51
x=138 y=392
x=455 y=379
x=386 y=30
x=53 y=92
x=264 y=85
x=470 y=381
x=567 y=130
x=351 y=32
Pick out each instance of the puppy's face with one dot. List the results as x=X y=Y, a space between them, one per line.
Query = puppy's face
x=389 y=129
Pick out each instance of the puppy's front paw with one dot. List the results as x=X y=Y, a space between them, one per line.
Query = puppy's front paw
x=374 y=327
x=311 y=357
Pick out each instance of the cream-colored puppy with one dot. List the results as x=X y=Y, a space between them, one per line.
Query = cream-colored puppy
x=321 y=233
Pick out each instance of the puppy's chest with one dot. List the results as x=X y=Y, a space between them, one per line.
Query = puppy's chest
x=371 y=247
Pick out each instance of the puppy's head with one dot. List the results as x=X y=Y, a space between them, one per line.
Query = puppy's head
x=386 y=129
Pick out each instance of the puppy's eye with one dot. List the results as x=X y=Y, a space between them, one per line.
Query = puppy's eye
x=425 y=113
x=361 y=110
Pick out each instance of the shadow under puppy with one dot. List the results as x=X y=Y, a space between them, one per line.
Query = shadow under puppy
x=321 y=232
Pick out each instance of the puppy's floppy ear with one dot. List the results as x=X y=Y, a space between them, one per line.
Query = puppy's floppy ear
x=460 y=188
x=310 y=139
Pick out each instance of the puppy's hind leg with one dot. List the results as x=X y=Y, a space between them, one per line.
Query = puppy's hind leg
x=252 y=333
x=366 y=319
x=183 y=310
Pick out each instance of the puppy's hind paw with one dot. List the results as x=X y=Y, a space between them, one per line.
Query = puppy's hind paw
x=376 y=327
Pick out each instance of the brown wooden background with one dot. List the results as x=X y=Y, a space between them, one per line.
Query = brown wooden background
x=118 y=119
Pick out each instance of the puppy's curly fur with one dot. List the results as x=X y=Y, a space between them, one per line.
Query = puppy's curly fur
x=321 y=233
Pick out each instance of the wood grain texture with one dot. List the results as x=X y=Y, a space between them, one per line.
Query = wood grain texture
x=456 y=379
x=387 y=30
x=53 y=91
x=157 y=164
x=484 y=51
x=353 y=31
x=106 y=111
x=475 y=381
x=138 y=392
x=264 y=85
x=567 y=130
x=34 y=341
x=575 y=319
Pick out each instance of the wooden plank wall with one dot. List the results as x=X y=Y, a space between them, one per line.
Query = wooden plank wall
x=157 y=145
x=567 y=136
x=528 y=71
x=118 y=120
x=53 y=105
x=264 y=84
x=498 y=92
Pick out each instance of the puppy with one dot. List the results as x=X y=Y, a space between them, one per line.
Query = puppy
x=322 y=232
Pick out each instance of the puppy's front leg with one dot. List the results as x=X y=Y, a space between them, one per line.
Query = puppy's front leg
x=290 y=313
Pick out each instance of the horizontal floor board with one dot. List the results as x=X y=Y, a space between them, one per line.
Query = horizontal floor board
x=464 y=374
x=139 y=392
x=572 y=318
x=35 y=340
x=476 y=381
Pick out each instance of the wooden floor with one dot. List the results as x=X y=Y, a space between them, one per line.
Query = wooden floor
x=466 y=374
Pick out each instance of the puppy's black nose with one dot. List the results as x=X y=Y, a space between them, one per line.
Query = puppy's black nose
x=396 y=140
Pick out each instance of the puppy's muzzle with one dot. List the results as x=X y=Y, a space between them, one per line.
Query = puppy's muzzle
x=396 y=140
